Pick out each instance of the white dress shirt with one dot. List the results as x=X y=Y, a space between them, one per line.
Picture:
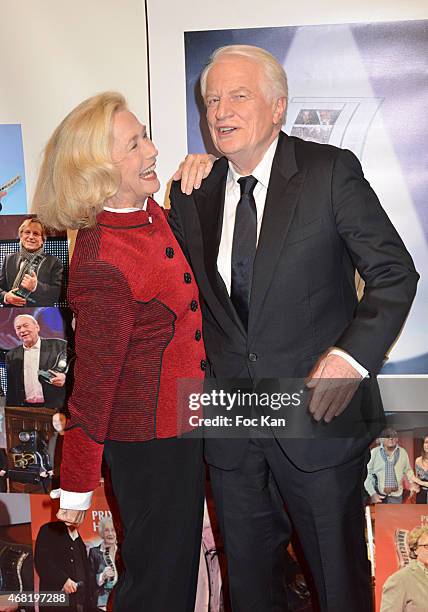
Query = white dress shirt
x=232 y=196
x=33 y=388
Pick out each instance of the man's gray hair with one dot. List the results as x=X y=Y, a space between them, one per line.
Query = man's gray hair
x=25 y=315
x=276 y=78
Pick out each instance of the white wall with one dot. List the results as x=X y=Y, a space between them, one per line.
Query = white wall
x=55 y=53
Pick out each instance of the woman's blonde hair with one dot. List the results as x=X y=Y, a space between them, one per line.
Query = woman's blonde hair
x=77 y=174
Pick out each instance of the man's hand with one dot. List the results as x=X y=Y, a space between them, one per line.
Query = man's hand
x=69 y=586
x=2 y=472
x=14 y=300
x=376 y=498
x=108 y=573
x=334 y=382
x=59 y=378
x=191 y=171
x=72 y=518
x=29 y=281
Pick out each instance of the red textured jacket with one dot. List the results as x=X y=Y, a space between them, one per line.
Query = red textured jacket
x=138 y=331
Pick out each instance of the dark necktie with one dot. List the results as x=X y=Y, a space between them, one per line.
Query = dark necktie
x=244 y=248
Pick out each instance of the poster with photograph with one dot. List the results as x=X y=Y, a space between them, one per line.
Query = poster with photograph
x=364 y=89
x=33 y=263
x=88 y=556
x=16 y=557
x=401 y=541
x=13 y=196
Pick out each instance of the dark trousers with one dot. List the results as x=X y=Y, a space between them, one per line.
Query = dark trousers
x=159 y=489
x=324 y=507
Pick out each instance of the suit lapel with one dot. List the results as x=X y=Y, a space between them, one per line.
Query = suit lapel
x=12 y=268
x=20 y=373
x=285 y=184
x=209 y=202
x=44 y=355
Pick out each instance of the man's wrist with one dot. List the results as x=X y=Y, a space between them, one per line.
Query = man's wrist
x=353 y=362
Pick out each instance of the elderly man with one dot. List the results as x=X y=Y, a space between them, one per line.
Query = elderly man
x=389 y=464
x=25 y=386
x=274 y=236
x=407 y=589
x=30 y=277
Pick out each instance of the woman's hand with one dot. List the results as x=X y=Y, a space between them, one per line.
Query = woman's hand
x=194 y=168
x=72 y=518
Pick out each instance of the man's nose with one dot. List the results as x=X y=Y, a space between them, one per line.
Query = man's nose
x=224 y=109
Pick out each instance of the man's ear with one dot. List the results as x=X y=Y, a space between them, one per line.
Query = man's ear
x=280 y=106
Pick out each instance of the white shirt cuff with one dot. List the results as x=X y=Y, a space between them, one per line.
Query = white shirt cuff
x=357 y=366
x=72 y=501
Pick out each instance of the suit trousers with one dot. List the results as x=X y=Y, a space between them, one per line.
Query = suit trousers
x=324 y=507
x=159 y=487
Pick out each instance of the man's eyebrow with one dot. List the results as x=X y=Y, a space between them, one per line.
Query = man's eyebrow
x=239 y=89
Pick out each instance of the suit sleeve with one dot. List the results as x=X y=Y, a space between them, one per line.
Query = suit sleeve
x=3 y=280
x=380 y=257
x=12 y=382
x=394 y=594
x=174 y=218
x=105 y=314
x=48 y=292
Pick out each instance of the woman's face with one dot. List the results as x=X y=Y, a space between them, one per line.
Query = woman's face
x=426 y=444
x=134 y=155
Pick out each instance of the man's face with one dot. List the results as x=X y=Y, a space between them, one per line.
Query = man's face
x=421 y=551
x=242 y=120
x=134 y=155
x=27 y=330
x=31 y=237
x=390 y=443
x=109 y=534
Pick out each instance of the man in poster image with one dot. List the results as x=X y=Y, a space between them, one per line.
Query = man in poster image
x=23 y=364
x=274 y=236
x=407 y=589
x=31 y=270
x=389 y=464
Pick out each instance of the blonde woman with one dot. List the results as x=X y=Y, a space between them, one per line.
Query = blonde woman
x=138 y=332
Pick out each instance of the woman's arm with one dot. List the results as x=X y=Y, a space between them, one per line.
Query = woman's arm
x=105 y=313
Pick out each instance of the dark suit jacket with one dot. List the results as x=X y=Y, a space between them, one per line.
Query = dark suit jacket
x=49 y=350
x=49 y=279
x=321 y=221
x=55 y=558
